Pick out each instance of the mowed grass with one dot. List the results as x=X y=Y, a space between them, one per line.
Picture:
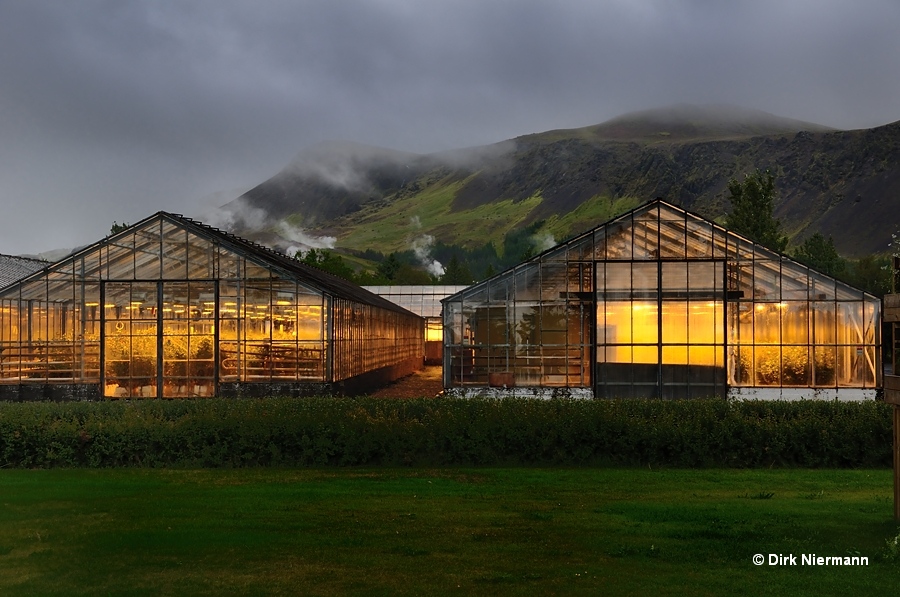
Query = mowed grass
x=441 y=531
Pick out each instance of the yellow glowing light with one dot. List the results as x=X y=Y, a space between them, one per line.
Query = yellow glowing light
x=92 y=304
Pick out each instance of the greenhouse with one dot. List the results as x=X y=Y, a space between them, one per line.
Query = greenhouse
x=425 y=301
x=170 y=307
x=661 y=303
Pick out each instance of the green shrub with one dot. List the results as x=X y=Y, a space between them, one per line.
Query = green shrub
x=328 y=431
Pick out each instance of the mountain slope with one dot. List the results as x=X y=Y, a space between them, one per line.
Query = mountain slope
x=844 y=184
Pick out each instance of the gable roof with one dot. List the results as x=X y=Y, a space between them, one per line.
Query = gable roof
x=14 y=268
x=265 y=257
x=679 y=235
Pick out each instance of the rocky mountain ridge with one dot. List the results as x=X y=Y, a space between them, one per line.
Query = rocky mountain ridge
x=844 y=184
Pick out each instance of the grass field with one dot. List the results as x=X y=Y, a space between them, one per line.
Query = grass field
x=442 y=532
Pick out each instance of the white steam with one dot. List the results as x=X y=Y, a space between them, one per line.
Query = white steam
x=543 y=241
x=238 y=214
x=301 y=240
x=421 y=246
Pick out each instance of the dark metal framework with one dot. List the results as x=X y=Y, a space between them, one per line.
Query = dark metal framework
x=173 y=308
x=661 y=303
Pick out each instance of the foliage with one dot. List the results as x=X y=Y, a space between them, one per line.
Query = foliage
x=116 y=227
x=819 y=253
x=328 y=261
x=437 y=432
x=752 y=208
x=871 y=273
x=456 y=272
x=892 y=548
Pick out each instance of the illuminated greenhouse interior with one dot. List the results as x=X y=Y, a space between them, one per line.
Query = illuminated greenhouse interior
x=661 y=303
x=173 y=308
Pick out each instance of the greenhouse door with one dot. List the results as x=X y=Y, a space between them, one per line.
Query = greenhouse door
x=660 y=329
x=159 y=339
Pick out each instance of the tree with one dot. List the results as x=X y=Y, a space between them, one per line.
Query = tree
x=116 y=227
x=388 y=268
x=752 y=208
x=328 y=261
x=819 y=253
x=456 y=272
x=871 y=273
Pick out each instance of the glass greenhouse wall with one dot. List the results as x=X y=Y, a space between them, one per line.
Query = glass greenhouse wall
x=172 y=308
x=661 y=303
x=425 y=301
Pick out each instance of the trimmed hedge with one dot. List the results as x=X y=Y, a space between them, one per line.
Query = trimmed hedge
x=328 y=431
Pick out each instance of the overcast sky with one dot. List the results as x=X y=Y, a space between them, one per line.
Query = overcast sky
x=114 y=110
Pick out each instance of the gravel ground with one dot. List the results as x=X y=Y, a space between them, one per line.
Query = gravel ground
x=425 y=383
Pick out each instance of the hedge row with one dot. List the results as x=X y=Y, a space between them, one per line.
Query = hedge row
x=434 y=432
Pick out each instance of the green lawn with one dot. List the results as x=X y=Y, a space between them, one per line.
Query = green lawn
x=442 y=531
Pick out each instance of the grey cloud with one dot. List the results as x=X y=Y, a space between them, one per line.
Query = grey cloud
x=114 y=110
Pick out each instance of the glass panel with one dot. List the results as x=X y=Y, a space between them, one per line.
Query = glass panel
x=846 y=293
x=675 y=279
x=824 y=366
x=821 y=287
x=201 y=258
x=699 y=239
x=130 y=340
x=794 y=322
x=174 y=252
x=739 y=279
x=740 y=371
x=705 y=278
x=767 y=365
x=147 y=263
x=553 y=280
x=120 y=258
x=704 y=355
x=582 y=249
x=794 y=282
x=767 y=323
x=617 y=279
x=823 y=322
x=254 y=271
x=645 y=280
x=229 y=265
x=646 y=237
x=600 y=243
x=703 y=325
x=795 y=366
x=672 y=239
x=618 y=240
x=675 y=323
x=189 y=339
x=675 y=355
x=766 y=280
